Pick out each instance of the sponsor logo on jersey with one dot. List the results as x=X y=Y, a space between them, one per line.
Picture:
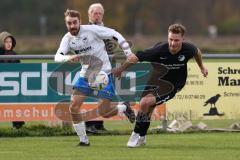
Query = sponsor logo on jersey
x=163 y=58
x=85 y=49
x=85 y=40
x=181 y=58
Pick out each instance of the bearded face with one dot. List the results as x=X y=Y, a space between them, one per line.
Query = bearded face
x=73 y=24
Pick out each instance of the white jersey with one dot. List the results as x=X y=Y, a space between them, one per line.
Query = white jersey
x=89 y=41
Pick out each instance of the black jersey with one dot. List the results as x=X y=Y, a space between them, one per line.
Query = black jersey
x=176 y=64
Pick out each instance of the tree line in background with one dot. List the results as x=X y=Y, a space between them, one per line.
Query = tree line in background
x=148 y=17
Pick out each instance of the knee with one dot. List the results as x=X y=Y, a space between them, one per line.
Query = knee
x=74 y=106
x=104 y=114
x=145 y=105
x=144 y=102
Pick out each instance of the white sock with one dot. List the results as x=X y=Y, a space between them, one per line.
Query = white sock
x=81 y=131
x=121 y=108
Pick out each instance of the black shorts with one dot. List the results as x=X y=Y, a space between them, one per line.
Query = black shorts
x=162 y=90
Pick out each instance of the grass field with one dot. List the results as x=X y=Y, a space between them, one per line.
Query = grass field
x=197 y=146
x=163 y=146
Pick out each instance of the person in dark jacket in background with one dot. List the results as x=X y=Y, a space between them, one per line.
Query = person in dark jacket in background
x=7 y=44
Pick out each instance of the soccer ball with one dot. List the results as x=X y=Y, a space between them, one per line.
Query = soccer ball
x=99 y=81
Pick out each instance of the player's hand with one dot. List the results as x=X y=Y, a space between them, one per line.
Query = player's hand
x=204 y=71
x=132 y=58
x=117 y=72
x=74 y=58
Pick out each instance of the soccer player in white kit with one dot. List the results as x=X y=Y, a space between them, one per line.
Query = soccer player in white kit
x=86 y=42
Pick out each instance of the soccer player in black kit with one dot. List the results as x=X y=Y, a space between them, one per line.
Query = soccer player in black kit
x=169 y=61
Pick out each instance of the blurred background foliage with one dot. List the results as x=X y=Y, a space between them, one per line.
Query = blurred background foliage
x=39 y=25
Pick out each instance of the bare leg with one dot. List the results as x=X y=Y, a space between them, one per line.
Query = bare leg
x=78 y=125
x=76 y=102
x=107 y=110
x=147 y=105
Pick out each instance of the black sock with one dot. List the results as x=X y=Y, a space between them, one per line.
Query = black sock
x=142 y=123
x=145 y=128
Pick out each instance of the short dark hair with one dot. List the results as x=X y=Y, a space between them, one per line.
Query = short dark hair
x=72 y=13
x=177 y=28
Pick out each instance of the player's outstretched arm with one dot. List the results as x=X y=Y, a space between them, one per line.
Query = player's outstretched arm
x=131 y=59
x=198 y=58
x=63 y=49
x=66 y=58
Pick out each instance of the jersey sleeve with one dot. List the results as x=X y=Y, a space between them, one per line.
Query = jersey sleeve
x=62 y=50
x=150 y=54
x=192 y=48
x=108 y=33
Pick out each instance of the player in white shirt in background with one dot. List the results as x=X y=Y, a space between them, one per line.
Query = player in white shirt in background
x=86 y=42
